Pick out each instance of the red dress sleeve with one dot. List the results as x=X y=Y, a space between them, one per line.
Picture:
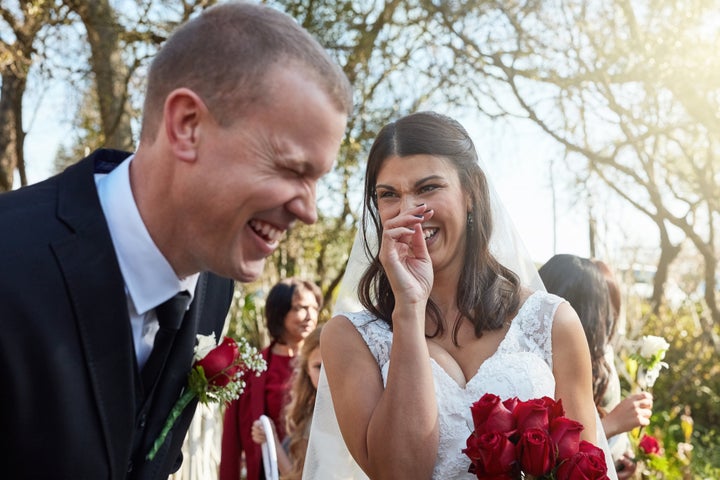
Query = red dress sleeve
x=231 y=443
x=277 y=388
x=263 y=395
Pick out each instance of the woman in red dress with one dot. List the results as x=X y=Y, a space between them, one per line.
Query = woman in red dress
x=291 y=311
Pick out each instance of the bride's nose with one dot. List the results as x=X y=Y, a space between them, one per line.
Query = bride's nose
x=408 y=201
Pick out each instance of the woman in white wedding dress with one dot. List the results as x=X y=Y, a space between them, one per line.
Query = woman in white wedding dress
x=443 y=322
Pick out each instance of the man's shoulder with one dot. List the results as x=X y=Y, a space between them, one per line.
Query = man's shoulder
x=45 y=209
x=99 y=161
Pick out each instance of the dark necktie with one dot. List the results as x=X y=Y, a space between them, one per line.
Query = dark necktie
x=169 y=315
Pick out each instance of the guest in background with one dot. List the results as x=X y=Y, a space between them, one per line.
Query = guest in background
x=291 y=312
x=591 y=288
x=299 y=410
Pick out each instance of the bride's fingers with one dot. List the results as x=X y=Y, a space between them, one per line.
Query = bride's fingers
x=405 y=222
x=417 y=244
x=403 y=236
x=411 y=238
x=408 y=218
x=396 y=235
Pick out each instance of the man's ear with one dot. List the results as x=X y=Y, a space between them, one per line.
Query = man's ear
x=182 y=114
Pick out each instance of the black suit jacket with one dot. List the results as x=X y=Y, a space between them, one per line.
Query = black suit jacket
x=71 y=402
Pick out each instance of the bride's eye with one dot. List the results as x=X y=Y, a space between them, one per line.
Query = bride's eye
x=386 y=194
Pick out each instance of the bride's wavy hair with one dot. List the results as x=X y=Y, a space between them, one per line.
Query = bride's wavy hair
x=488 y=293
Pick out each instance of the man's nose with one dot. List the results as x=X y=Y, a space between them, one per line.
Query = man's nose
x=304 y=206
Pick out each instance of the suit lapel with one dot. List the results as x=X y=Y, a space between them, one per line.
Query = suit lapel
x=96 y=287
x=203 y=317
x=206 y=315
x=94 y=282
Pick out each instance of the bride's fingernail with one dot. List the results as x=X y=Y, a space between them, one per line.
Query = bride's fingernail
x=419 y=215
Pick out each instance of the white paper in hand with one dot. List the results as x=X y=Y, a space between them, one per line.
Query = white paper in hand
x=269 y=454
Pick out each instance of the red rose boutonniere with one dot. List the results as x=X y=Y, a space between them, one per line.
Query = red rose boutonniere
x=513 y=440
x=215 y=377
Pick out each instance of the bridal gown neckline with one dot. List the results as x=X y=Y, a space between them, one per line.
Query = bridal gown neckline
x=520 y=367
x=478 y=373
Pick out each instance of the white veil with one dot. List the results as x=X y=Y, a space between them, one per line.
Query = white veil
x=327 y=456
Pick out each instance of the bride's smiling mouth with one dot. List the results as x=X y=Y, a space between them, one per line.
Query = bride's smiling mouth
x=429 y=232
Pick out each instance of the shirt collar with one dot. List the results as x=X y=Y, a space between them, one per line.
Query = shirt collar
x=149 y=278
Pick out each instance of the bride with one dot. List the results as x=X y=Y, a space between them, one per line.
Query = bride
x=443 y=321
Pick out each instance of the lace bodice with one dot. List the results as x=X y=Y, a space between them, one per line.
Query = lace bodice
x=521 y=367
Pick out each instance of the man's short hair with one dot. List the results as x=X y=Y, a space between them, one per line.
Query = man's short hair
x=223 y=56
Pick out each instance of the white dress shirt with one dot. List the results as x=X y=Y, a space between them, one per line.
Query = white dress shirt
x=149 y=278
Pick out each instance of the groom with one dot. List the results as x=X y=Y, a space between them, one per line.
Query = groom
x=244 y=112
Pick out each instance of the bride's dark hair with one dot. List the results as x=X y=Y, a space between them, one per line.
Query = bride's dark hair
x=487 y=293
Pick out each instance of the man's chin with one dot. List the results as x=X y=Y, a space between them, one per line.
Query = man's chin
x=249 y=271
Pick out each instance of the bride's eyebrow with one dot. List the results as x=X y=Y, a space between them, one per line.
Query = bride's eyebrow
x=417 y=184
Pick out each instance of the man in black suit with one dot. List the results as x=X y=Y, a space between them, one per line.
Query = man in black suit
x=244 y=112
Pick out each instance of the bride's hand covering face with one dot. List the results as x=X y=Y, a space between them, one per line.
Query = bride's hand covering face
x=404 y=255
x=421 y=194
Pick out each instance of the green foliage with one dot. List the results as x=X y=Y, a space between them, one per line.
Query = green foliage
x=245 y=317
x=692 y=377
x=686 y=395
x=706 y=455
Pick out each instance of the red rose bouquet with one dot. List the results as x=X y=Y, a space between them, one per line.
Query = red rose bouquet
x=216 y=376
x=533 y=439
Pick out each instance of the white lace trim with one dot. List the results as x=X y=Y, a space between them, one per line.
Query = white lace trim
x=514 y=370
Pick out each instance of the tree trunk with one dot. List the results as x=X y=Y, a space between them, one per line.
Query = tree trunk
x=710 y=288
x=668 y=253
x=111 y=73
x=11 y=132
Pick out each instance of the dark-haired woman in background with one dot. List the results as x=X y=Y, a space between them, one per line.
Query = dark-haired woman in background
x=291 y=311
x=590 y=287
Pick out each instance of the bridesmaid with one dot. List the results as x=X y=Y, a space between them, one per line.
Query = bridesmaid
x=291 y=311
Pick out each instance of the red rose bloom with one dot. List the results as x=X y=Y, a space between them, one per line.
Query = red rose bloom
x=491 y=415
x=511 y=403
x=220 y=365
x=649 y=445
x=515 y=439
x=491 y=453
x=565 y=433
x=555 y=408
x=531 y=414
x=590 y=449
x=536 y=452
x=212 y=378
x=587 y=464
